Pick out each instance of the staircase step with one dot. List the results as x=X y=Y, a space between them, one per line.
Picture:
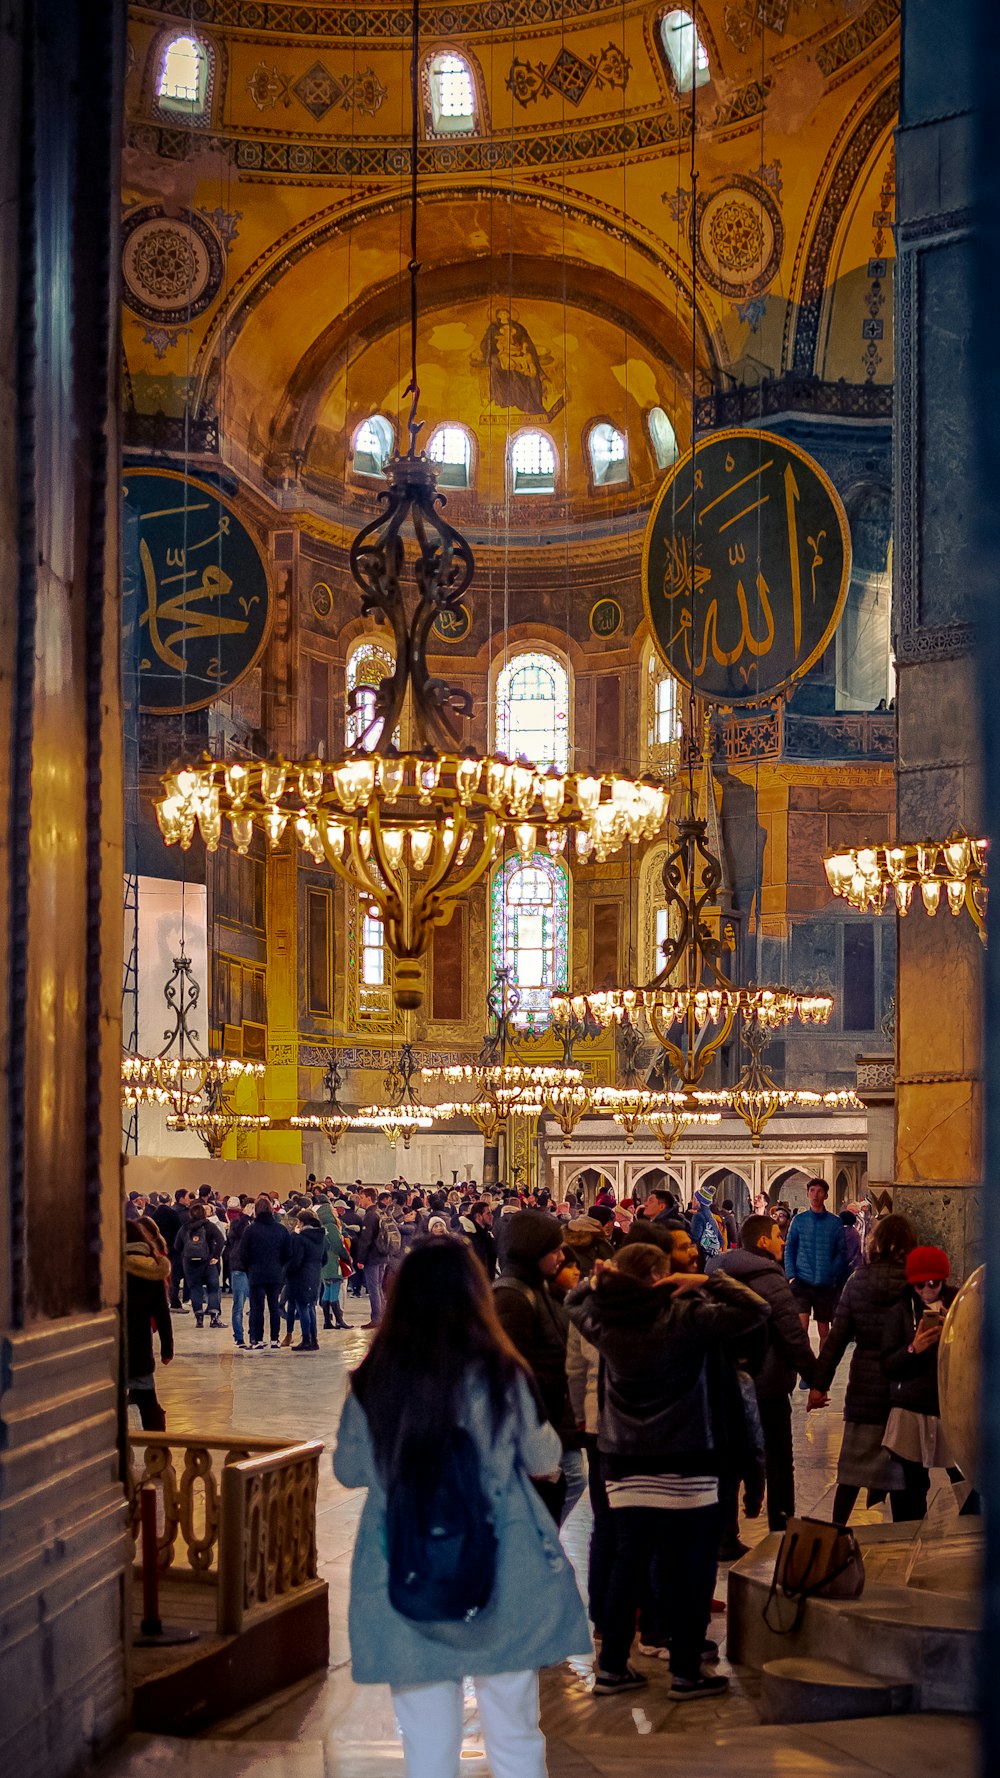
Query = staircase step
x=805 y=1688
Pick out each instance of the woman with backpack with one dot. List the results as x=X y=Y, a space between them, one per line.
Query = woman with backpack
x=457 y=1569
x=200 y=1243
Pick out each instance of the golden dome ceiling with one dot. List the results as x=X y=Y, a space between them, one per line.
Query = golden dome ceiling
x=266 y=246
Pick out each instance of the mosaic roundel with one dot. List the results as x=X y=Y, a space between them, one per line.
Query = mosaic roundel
x=739 y=239
x=171 y=265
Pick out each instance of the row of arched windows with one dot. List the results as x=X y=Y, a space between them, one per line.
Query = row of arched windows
x=183 y=77
x=533 y=463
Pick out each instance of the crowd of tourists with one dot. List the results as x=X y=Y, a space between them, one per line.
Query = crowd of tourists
x=526 y=1351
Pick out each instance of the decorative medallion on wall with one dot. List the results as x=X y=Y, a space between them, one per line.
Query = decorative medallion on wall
x=196 y=601
x=746 y=566
x=739 y=237
x=322 y=599
x=569 y=76
x=606 y=618
x=171 y=265
x=452 y=626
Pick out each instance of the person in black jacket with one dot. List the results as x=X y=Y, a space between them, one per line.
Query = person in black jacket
x=239 y=1228
x=266 y=1252
x=658 y=1331
x=305 y=1268
x=481 y=1241
x=756 y=1262
x=147 y=1270
x=531 y=1251
x=910 y=1341
x=866 y=1301
x=170 y=1218
x=200 y=1243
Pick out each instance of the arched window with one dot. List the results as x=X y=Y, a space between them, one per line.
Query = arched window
x=372 y=947
x=369 y=967
x=373 y=444
x=452 y=95
x=661 y=718
x=367 y=667
x=608 y=454
x=531 y=709
x=533 y=464
x=684 y=50
x=451 y=448
x=662 y=437
x=530 y=931
x=182 y=83
x=864 y=661
x=654 y=917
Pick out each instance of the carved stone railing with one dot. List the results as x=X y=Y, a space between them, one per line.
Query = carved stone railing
x=241 y=1513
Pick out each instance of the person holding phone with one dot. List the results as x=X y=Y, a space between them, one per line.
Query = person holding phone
x=910 y=1343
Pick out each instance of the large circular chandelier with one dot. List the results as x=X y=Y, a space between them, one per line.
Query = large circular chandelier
x=396 y=1122
x=492 y=1090
x=179 y=1077
x=949 y=873
x=331 y=1123
x=212 y=1127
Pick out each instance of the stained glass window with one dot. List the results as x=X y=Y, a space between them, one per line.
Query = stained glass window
x=183 y=78
x=662 y=437
x=531 y=711
x=367 y=667
x=530 y=931
x=608 y=454
x=685 y=50
x=533 y=464
x=450 y=447
x=453 y=96
x=373 y=444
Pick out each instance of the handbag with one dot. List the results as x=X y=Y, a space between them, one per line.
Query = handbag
x=815 y=1560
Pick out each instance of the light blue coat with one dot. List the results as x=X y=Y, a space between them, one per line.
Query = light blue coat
x=535 y=1616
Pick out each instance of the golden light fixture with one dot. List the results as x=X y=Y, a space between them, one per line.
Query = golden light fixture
x=212 y=1127
x=396 y=1122
x=180 y=1076
x=495 y=1089
x=692 y=989
x=949 y=872
x=569 y=1102
x=331 y=1123
x=630 y=1106
x=669 y=1126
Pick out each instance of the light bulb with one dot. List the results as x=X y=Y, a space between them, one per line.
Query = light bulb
x=272 y=783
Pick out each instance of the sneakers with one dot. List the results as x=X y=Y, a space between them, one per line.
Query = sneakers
x=199 y=1320
x=256 y=1345
x=707 y=1685
x=240 y=1345
x=215 y=1321
x=607 y=1683
x=710 y=1650
x=274 y=1345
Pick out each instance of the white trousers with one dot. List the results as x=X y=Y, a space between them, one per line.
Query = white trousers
x=430 y=1724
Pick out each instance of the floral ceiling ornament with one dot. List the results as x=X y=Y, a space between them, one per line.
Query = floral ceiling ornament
x=569 y=76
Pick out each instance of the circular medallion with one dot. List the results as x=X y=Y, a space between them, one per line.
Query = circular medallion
x=322 y=599
x=745 y=567
x=606 y=618
x=196 y=601
x=739 y=238
x=171 y=265
x=452 y=625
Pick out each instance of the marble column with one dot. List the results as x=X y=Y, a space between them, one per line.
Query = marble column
x=939 y=1043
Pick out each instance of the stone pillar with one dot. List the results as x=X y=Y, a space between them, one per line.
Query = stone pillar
x=64 y=1549
x=939 y=1047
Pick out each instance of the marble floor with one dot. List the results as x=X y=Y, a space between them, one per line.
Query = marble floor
x=329 y=1728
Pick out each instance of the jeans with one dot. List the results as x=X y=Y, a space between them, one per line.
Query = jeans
x=198 y=1277
x=602 y=1537
x=259 y=1293
x=430 y=1725
x=375 y=1270
x=306 y=1310
x=576 y=1481
x=241 y=1296
x=679 y=1545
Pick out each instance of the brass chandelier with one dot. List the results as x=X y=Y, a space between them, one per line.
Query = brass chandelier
x=180 y=1078
x=412 y=830
x=949 y=872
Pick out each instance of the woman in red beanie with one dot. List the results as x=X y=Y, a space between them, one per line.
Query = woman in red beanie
x=909 y=1358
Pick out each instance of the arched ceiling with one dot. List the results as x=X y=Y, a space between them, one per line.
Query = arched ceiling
x=572 y=205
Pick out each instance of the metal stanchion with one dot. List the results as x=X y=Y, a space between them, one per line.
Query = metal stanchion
x=152 y=1633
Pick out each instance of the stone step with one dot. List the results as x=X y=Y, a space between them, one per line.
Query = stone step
x=802 y=1688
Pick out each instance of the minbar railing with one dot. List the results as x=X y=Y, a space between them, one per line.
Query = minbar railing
x=241 y=1513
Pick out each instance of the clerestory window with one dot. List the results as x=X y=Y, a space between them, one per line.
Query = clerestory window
x=684 y=50
x=452 y=94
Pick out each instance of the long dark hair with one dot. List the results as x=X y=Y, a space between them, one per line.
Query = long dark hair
x=439 y=1324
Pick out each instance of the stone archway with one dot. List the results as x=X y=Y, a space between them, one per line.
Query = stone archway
x=589 y=1179
x=654 y=1178
x=789 y=1187
x=731 y=1185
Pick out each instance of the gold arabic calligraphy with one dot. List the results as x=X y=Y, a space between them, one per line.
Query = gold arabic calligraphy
x=688 y=578
x=179 y=609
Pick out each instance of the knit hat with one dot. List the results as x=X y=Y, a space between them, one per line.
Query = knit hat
x=925 y=1265
x=530 y=1235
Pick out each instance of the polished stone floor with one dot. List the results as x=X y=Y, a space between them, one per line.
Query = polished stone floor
x=329 y=1728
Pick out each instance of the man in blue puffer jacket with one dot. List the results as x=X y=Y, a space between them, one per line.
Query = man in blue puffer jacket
x=816 y=1259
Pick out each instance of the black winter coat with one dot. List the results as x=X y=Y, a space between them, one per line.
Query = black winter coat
x=788 y=1353
x=146 y=1307
x=659 y=1352
x=913 y=1376
x=236 y=1242
x=200 y=1243
x=866 y=1301
x=305 y=1264
x=364 y=1246
x=168 y=1221
x=537 y=1326
x=483 y=1244
x=267 y=1249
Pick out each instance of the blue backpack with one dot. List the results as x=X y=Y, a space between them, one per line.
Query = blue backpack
x=442 y=1546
